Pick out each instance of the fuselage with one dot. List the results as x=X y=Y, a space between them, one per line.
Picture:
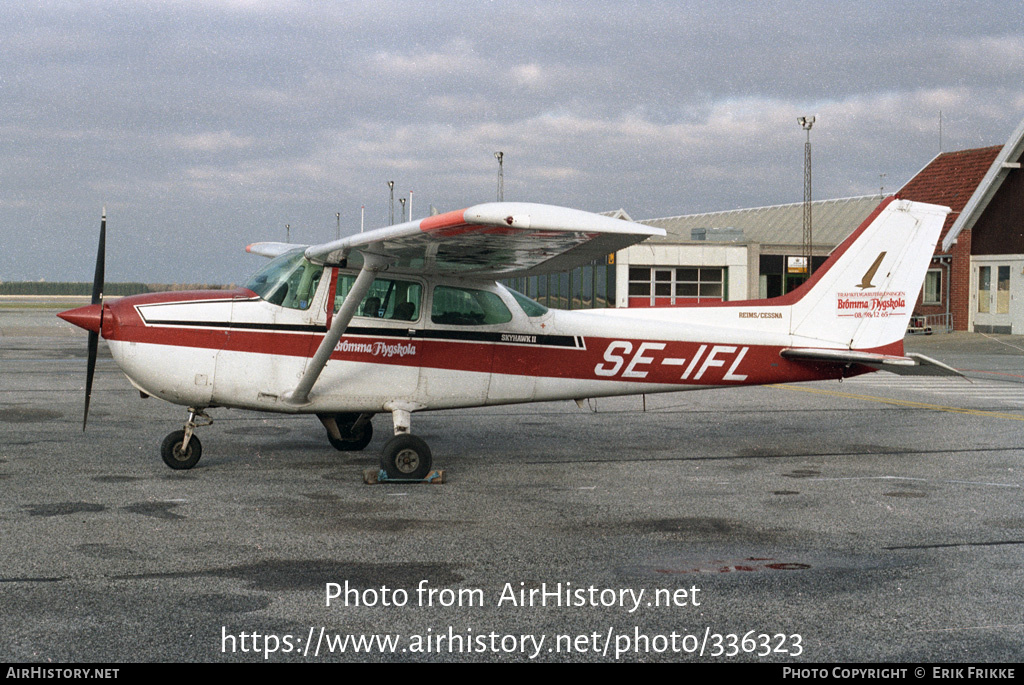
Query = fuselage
x=447 y=343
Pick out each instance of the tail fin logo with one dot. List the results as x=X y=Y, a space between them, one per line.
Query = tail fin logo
x=865 y=282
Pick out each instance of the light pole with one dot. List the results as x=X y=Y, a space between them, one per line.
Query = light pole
x=806 y=123
x=391 y=204
x=500 y=156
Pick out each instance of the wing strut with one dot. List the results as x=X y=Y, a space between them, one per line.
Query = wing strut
x=372 y=263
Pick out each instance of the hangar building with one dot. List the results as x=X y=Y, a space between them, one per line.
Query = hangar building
x=976 y=281
x=735 y=255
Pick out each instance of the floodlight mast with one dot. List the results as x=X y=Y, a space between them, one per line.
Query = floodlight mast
x=808 y=244
x=500 y=156
x=391 y=204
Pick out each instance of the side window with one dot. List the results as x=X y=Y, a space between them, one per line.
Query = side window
x=302 y=286
x=531 y=308
x=465 y=307
x=387 y=298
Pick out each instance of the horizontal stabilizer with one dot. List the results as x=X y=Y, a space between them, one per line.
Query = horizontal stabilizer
x=910 y=365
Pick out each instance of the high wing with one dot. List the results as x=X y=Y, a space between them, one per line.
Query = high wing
x=492 y=240
x=271 y=249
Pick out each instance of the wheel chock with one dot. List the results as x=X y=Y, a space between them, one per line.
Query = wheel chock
x=379 y=476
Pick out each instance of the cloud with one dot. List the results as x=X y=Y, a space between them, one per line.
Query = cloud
x=455 y=59
x=212 y=142
x=528 y=75
x=214 y=123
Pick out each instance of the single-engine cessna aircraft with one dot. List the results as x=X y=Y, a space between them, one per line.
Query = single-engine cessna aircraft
x=409 y=318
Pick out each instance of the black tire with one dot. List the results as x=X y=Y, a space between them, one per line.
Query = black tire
x=406 y=457
x=352 y=441
x=170 y=450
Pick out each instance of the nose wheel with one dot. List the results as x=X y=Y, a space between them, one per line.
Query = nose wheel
x=179 y=455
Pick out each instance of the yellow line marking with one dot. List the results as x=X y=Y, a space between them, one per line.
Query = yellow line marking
x=907 y=403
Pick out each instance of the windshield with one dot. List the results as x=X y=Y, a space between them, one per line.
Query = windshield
x=289 y=280
x=532 y=308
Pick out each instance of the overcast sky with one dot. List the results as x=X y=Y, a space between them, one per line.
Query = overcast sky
x=204 y=125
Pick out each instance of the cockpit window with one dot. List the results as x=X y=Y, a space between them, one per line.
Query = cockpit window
x=388 y=298
x=465 y=307
x=289 y=280
x=531 y=308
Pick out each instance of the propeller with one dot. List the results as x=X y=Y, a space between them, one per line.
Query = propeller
x=97 y=298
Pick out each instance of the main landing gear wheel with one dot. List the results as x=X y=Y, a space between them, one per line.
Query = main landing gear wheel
x=406 y=457
x=177 y=458
x=353 y=439
x=361 y=438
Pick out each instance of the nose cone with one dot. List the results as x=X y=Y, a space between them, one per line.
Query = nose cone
x=89 y=317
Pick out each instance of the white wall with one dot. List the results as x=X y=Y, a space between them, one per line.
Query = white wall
x=733 y=256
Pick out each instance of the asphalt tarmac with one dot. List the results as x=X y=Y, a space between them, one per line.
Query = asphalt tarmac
x=876 y=520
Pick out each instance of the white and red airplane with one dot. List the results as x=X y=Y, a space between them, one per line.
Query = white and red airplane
x=410 y=318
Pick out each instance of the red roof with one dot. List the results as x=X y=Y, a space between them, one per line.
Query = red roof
x=950 y=179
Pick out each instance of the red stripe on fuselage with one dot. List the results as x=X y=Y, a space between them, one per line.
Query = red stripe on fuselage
x=614 y=359
x=184 y=296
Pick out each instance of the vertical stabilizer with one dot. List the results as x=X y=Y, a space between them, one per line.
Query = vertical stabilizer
x=863 y=296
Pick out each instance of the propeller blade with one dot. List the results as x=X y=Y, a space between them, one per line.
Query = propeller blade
x=94 y=339
x=97 y=298
x=101 y=255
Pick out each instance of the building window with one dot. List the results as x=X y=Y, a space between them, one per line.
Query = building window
x=651 y=286
x=591 y=286
x=933 y=287
x=984 y=288
x=1003 y=291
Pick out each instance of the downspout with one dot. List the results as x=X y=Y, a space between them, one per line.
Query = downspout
x=947 y=261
